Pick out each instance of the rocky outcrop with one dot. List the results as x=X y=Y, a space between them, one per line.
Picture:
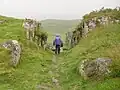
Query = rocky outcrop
x=15 y=49
x=94 y=68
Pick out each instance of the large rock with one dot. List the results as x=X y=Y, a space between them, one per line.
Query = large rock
x=15 y=49
x=94 y=68
x=85 y=30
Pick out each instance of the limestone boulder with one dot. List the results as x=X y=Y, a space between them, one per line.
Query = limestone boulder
x=94 y=68
x=15 y=49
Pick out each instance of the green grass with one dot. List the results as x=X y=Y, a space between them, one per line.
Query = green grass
x=35 y=64
x=102 y=42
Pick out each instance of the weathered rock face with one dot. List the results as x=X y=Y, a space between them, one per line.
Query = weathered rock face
x=94 y=68
x=85 y=31
x=15 y=49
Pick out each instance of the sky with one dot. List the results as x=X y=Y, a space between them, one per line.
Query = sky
x=53 y=9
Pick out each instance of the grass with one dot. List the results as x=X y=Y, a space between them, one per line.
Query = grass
x=102 y=42
x=35 y=64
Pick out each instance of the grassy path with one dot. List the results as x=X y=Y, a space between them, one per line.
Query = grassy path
x=54 y=73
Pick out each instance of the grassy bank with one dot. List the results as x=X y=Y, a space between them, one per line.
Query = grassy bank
x=102 y=42
x=34 y=64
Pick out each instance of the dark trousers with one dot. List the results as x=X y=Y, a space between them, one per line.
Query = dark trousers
x=57 y=49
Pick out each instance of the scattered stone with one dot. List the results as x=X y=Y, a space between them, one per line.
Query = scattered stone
x=40 y=87
x=55 y=81
x=94 y=68
x=49 y=46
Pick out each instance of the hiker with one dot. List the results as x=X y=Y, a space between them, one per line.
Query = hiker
x=57 y=43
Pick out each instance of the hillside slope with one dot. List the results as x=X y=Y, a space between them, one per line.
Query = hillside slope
x=102 y=42
x=59 y=26
x=53 y=26
x=34 y=64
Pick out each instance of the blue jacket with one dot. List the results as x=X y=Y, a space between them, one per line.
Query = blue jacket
x=57 y=41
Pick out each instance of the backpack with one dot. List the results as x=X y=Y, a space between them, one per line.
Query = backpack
x=57 y=41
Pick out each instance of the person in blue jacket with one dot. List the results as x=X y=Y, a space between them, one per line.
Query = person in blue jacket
x=57 y=43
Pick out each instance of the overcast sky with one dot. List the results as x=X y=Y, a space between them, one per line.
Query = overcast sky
x=52 y=9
